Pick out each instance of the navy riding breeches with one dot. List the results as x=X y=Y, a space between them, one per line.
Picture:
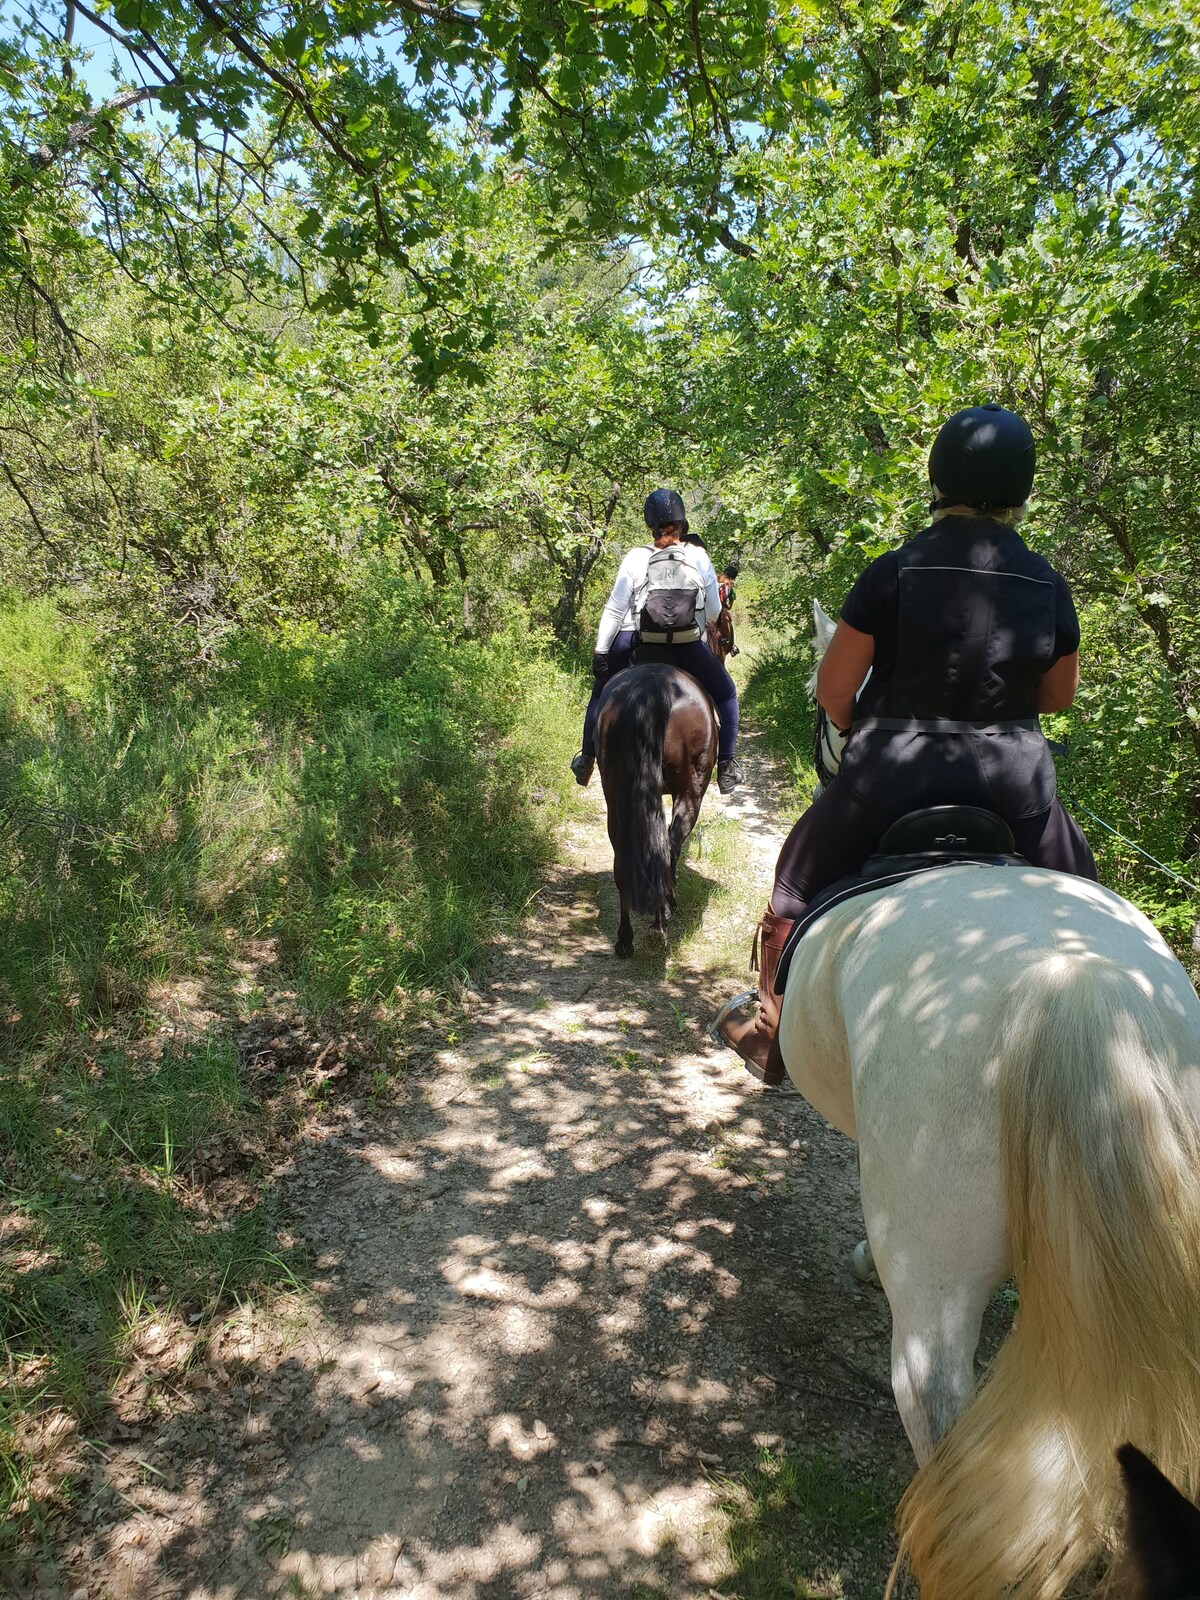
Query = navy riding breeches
x=698 y=660
x=837 y=833
x=620 y=653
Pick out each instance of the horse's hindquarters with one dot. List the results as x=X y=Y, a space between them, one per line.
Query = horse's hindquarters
x=655 y=734
x=812 y=1033
x=1019 y=1052
x=873 y=1053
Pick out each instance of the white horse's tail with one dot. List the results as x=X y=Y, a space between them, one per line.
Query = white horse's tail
x=1102 y=1173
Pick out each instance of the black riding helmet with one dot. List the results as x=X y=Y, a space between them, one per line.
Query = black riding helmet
x=664 y=505
x=983 y=457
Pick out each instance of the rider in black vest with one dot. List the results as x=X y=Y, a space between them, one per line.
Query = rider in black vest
x=969 y=636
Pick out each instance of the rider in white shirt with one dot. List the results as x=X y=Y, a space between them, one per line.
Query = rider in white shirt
x=617 y=635
x=619 y=614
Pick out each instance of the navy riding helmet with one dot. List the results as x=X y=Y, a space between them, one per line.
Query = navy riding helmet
x=664 y=505
x=982 y=457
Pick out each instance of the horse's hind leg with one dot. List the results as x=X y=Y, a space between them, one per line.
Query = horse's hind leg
x=939 y=1263
x=933 y=1358
x=684 y=812
x=624 y=932
x=624 y=945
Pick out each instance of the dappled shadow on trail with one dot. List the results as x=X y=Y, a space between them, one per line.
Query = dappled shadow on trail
x=565 y=1283
x=759 y=806
x=575 y=1272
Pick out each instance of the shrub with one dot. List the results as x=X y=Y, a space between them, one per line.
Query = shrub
x=366 y=796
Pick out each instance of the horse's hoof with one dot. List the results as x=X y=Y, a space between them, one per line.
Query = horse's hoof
x=624 y=951
x=862 y=1263
x=657 y=936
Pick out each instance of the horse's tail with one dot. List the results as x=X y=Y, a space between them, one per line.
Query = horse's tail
x=636 y=774
x=1102 y=1174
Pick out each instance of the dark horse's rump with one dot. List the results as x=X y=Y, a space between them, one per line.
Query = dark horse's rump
x=656 y=733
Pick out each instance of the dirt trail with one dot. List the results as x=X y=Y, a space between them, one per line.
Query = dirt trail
x=582 y=1268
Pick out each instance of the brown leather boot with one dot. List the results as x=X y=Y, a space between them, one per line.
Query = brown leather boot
x=754 y=1038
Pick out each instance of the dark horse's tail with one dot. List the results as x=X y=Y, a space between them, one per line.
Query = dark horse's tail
x=635 y=761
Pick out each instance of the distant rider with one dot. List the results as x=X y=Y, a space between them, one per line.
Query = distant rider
x=726 y=644
x=708 y=572
x=625 y=618
x=969 y=637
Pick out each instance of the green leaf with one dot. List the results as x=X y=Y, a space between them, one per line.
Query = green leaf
x=294 y=42
x=310 y=225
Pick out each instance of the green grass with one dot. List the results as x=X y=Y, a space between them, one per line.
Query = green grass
x=111 y=1224
x=366 y=807
x=366 y=800
x=776 y=697
x=795 y=1526
x=41 y=660
x=710 y=894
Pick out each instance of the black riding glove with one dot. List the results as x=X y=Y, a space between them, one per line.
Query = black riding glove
x=600 y=663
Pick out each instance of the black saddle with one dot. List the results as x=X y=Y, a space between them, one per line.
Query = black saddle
x=919 y=841
x=938 y=831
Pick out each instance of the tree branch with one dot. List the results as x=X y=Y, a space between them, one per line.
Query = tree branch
x=28 y=504
x=79 y=132
x=294 y=91
x=47 y=299
x=739 y=247
x=423 y=9
x=720 y=120
x=123 y=39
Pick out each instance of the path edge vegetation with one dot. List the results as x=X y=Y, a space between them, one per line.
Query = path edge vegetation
x=228 y=902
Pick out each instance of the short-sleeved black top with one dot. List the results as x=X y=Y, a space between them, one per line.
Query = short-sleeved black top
x=873 y=604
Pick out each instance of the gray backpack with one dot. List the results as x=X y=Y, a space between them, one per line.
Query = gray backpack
x=671 y=595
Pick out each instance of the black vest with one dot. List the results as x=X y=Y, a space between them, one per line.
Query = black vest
x=975 y=634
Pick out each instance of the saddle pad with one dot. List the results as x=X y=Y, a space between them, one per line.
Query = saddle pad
x=879 y=872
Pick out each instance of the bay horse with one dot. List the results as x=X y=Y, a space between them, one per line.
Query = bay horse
x=1017 y=1054
x=656 y=734
x=724 y=633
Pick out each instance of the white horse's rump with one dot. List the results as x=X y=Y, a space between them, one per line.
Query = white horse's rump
x=1017 y=1053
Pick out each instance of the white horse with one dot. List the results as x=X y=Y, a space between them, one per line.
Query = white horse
x=1017 y=1053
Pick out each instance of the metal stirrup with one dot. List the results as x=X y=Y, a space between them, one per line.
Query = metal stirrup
x=738 y=1001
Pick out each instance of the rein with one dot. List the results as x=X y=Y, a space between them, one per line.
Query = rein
x=1133 y=845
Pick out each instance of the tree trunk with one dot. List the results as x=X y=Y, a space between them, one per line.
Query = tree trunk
x=574 y=576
